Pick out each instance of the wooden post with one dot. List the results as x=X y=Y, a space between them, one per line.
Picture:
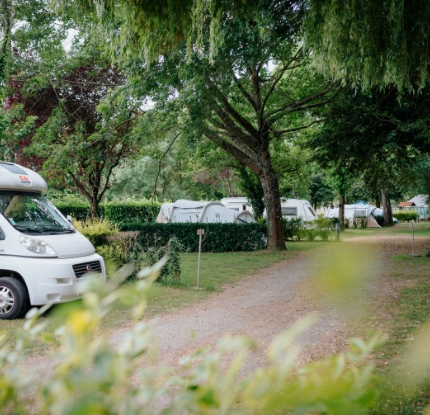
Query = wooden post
x=200 y=232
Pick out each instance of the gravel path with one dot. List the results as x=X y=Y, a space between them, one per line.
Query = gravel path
x=262 y=305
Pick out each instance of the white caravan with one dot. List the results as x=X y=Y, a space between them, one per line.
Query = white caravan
x=43 y=259
x=358 y=210
x=297 y=208
x=201 y=212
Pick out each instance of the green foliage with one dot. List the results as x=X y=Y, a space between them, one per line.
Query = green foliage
x=252 y=189
x=118 y=249
x=371 y=42
x=406 y=215
x=297 y=229
x=89 y=376
x=131 y=211
x=360 y=222
x=146 y=211
x=96 y=230
x=293 y=228
x=171 y=271
x=218 y=237
x=78 y=211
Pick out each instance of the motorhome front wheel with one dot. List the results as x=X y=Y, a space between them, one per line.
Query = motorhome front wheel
x=13 y=298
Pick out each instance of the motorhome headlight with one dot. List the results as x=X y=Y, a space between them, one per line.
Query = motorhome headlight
x=37 y=246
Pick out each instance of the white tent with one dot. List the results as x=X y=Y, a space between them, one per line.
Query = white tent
x=201 y=212
x=238 y=204
x=358 y=210
x=420 y=200
x=291 y=208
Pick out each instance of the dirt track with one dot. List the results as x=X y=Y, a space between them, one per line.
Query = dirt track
x=264 y=304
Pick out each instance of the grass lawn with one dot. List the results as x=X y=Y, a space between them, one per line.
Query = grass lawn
x=412 y=309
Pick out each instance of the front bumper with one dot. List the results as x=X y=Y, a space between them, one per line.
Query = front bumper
x=53 y=280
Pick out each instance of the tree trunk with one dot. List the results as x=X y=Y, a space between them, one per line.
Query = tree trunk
x=378 y=202
x=428 y=191
x=386 y=205
x=94 y=206
x=342 y=212
x=272 y=198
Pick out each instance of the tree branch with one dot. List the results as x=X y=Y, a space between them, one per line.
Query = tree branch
x=301 y=102
x=159 y=164
x=290 y=130
x=278 y=77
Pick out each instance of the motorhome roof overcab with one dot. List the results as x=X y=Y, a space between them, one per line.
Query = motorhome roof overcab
x=43 y=259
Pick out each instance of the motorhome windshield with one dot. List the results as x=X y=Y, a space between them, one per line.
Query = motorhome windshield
x=32 y=213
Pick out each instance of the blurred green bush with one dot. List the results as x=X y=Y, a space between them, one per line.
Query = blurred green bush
x=406 y=215
x=88 y=376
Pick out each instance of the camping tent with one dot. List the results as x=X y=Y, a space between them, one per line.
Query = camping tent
x=359 y=209
x=201 y=212
x=291 y=208
x=238 y=204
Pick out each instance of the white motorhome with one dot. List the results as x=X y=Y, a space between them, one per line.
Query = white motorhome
x=43 y=259
x=202 y=212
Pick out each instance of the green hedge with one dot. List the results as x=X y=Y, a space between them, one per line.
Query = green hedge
x=115 y=212
x=406 y=215
x=218 y=237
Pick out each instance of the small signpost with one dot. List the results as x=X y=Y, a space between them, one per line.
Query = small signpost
x=200 y=232
x=413 y=241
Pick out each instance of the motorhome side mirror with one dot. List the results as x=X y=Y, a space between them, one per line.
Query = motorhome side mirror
x=2 y=235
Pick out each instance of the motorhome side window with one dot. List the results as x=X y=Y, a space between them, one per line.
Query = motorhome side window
x=289 y=211
x=31 y=213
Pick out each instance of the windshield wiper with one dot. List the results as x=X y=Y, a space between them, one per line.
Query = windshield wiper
x=27 y=229
x=56 y=230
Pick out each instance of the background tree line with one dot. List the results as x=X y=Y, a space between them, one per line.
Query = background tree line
x=206 y=102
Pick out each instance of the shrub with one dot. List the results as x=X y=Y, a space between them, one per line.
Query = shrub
x=119 y=250
x=78 y=211
x=88 y=375
x=171 y=271
x=406 y=215
x=130 y=211
x=360 y=222
x=218 y=237
x=293 y=228
x=96 y=230
x=296 y=228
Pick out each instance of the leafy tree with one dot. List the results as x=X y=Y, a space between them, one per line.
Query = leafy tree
x=319 y=190
x=252 y=189
x=87 y=132
x=370 y=135
x=233 y=99
x=371 y=42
